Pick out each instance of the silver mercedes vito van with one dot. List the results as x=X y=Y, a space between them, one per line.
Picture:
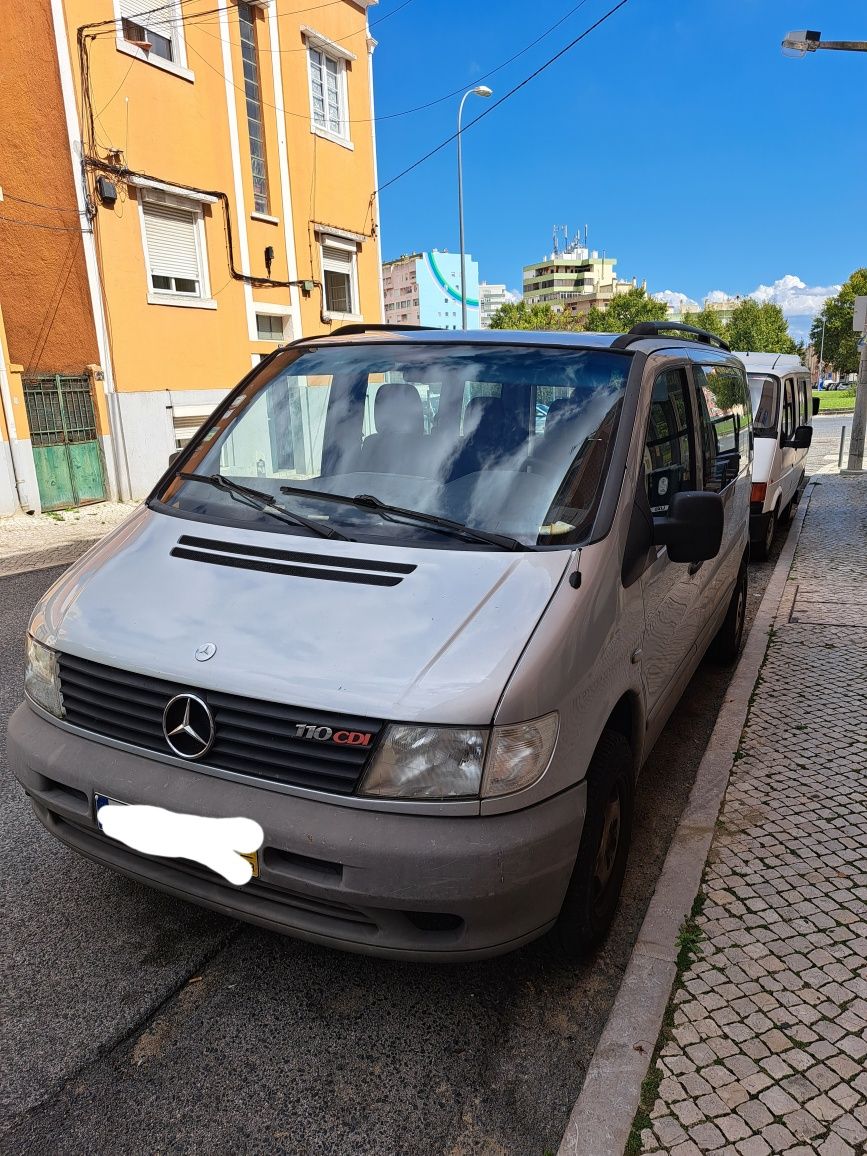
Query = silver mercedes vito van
x=419 y=604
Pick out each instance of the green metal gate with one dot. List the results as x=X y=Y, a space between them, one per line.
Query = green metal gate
x=66 y=449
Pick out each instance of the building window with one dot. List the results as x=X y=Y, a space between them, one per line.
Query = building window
x=173 y=239
x=339 y=276
x=328 y=93
x=269 y=327
x=152 y=32
x=255 y=122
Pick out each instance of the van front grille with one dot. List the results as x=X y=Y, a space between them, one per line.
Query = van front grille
x=267 y=740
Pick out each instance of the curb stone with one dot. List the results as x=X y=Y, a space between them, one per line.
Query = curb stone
x=62 y=555
x=601 y=1119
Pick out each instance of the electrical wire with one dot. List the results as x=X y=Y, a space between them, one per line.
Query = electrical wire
x=47 y=325
x=522 y=84
x=36 y=225
x=389 y=115
x=38 y=204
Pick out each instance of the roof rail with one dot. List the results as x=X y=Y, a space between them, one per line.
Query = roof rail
x=658 y=328
x=374 y=327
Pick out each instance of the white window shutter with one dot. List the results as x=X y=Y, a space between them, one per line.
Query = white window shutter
x=337 y=259
x=148 y=14
x=171 y=241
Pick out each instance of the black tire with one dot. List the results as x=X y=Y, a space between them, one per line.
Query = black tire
x=727 y=644
x=761 y=550
x=597 y=877
x=788 y=513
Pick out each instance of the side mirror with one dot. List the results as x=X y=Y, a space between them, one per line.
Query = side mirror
x=802 y=437
x=817 y=401
x=173 y=457
x=693 y=529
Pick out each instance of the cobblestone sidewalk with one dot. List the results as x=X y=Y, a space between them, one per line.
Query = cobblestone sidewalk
x=28 y=541
x=768 y=1050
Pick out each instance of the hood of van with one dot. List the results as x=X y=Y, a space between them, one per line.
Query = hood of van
x=406 y=633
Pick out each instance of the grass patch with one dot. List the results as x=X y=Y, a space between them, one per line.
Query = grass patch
x=835 y=400
x=688 y=944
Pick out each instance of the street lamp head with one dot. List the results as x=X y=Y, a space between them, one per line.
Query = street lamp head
x=798 y=44
x=483 y=90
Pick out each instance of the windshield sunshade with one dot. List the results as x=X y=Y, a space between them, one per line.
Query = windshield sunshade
x=765 y=396
x=493 y=447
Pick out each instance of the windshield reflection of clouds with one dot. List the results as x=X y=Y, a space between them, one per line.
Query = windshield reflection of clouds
x=507 y=439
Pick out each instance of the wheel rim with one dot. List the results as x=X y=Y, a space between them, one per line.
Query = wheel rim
x=609 y=845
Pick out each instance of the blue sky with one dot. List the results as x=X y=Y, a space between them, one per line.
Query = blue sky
x=698 y=154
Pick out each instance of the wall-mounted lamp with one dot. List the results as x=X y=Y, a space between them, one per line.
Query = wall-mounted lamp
x=269 y=258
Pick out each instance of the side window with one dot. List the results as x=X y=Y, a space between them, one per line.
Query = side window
x=804 y=403
x=789 y=418
x=669 y=460
x=725 y=420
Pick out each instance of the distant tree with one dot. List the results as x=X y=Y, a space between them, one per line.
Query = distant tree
x=840 y=348
x=709 y=320
x=625 y=310
x=760 y=328
x=520 y=315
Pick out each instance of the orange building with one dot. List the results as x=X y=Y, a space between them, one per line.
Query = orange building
x=211 y=170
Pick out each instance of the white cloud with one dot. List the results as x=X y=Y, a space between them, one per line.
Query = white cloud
x=794 y=296
x=673 y=298
x=513 y=295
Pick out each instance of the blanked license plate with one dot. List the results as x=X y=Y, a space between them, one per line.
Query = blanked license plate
x=100 y=801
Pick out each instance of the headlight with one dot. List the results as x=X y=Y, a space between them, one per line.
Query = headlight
x=519 y=755
x=419 y=762
x=41 y=682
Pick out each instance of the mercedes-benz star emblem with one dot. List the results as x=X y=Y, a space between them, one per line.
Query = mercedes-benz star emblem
x=205 y=651
x=188 y=726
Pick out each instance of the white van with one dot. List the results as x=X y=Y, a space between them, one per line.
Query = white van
x=783 y=409
x=424 y=643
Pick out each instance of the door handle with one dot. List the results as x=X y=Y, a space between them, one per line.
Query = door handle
x=694 y=567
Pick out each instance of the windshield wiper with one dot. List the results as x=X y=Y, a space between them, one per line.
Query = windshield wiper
x=398 y=513
x=260 y=500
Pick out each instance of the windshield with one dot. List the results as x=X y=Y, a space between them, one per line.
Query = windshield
x=765 y=396
x=507 y=440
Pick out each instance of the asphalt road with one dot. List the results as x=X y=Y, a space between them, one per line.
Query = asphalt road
x=135 y=1023
x=826 y=439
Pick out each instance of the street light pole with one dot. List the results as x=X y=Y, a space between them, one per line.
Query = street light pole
x=799 y=44
x=821 y=352
x=804 y=41
x=482 y=90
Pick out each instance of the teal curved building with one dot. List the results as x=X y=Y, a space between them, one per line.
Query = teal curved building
x=425 y=289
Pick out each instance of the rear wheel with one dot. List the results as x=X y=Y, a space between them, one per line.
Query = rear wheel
x=726 y=646
x=762 y=549
x=597 y=878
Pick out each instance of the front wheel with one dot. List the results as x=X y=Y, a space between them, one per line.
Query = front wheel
x=597 y=877
x=726 y=646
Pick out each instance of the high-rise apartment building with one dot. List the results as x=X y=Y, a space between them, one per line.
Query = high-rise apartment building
x=425 y=289
x=573 y=277
x=491 y=298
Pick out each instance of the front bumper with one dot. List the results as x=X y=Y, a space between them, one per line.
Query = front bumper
x=376 y=882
